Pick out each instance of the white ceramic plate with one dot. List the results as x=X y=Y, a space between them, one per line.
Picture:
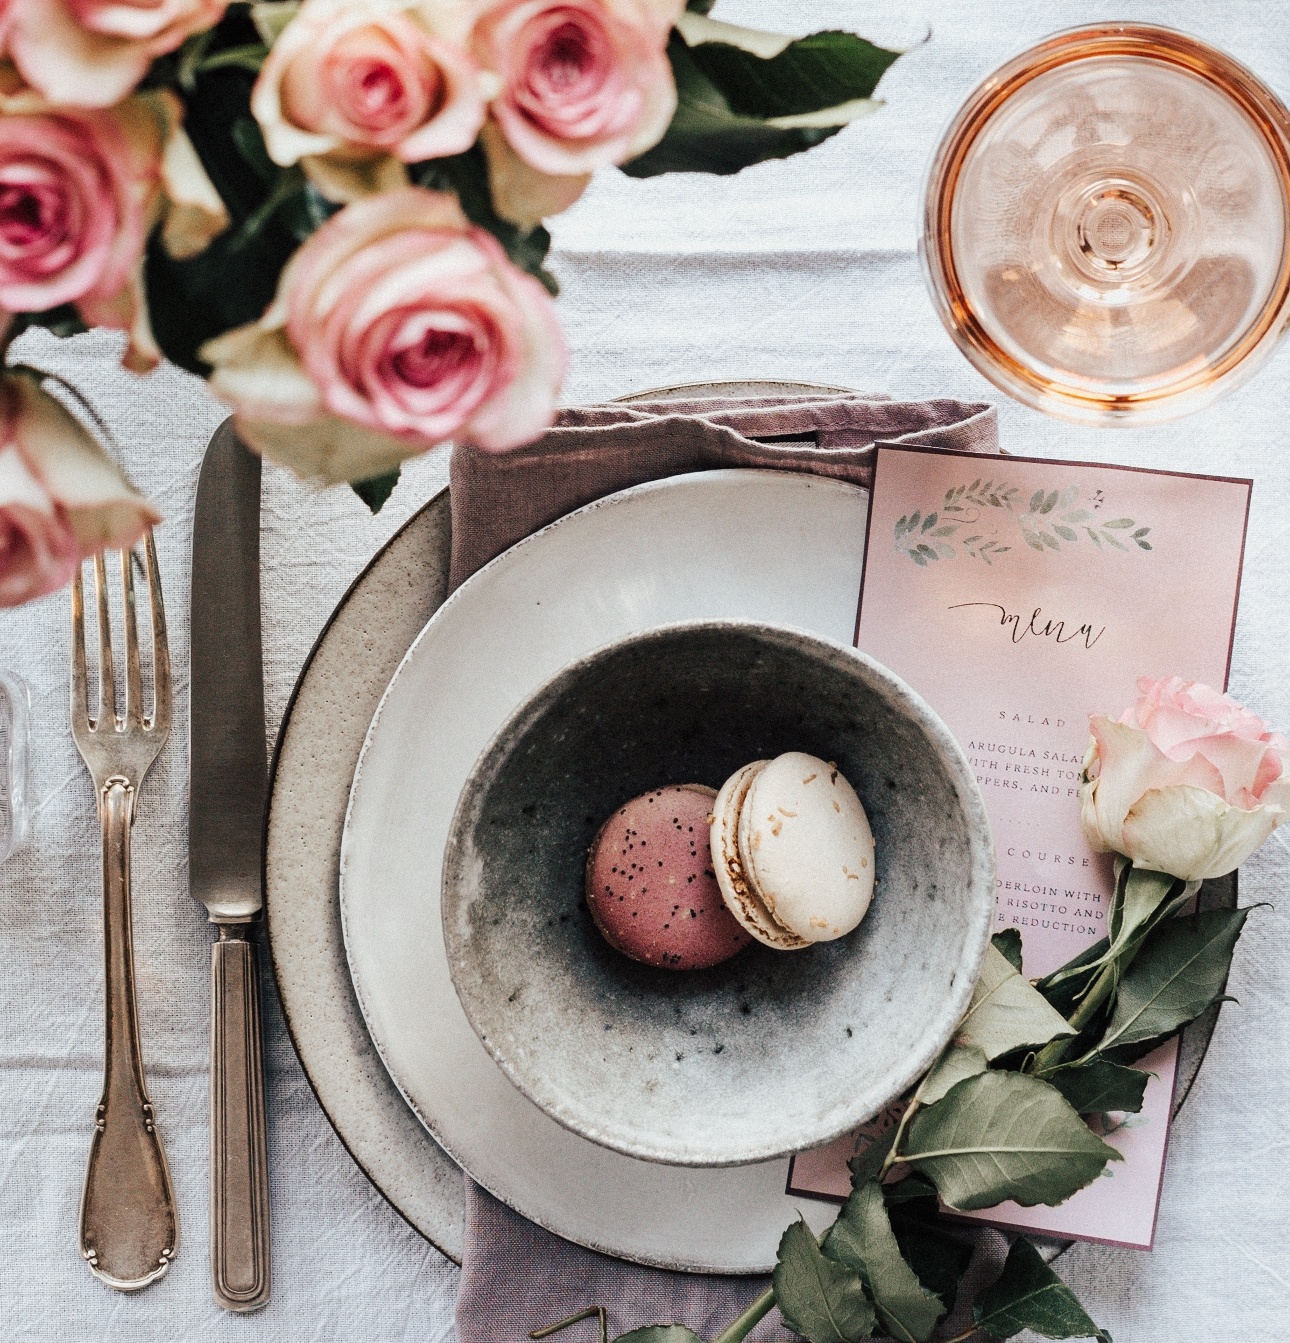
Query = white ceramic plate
x=770 y=546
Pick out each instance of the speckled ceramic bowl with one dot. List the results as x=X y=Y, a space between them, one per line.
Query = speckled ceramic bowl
x=772 y=1052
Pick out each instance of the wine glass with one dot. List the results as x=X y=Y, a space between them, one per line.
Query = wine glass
x=1106 y=229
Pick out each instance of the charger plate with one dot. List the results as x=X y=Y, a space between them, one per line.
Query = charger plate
x=318 y=746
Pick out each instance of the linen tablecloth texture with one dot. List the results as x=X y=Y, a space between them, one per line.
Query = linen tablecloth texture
x=515 y=1276
x=804 y=268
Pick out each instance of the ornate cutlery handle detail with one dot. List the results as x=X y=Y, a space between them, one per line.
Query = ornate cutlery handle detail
x=129 y=1226
x=239 y=1158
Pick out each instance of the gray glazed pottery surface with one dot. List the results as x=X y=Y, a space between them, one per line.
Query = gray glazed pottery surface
x=772 y=1052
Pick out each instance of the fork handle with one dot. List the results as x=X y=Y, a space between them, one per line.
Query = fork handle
x=240 y=1274
x=129 y=1226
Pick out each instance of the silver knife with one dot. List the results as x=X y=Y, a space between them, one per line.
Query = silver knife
x=228 y=774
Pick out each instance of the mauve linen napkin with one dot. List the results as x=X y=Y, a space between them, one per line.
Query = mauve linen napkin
x=517 y=1277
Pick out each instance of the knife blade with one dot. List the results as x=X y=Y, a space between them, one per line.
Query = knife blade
x=228 y=778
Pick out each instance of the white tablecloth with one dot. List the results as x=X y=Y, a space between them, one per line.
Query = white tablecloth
x=799 y=269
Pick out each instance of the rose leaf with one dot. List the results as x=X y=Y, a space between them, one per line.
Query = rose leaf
x=1008 y=942
x=938 y=1255
x=863 y=1240
x=819 y=1298
x=1003 y=1135
x=377 y=490
x=953 y=1066
x=808 y=75
x=1029 y=1295
x=708 y=136
x=1095 y=1088
x=1007 y=1012
x=1179 y=972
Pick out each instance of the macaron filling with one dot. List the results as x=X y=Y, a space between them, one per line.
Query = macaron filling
x=733 y=871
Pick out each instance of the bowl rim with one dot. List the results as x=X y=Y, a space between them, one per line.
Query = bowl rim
x=663 y=1147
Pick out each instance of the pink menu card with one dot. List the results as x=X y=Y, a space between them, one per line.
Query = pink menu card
x=1018 y=596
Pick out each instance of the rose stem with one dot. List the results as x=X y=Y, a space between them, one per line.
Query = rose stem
x=744 y=1324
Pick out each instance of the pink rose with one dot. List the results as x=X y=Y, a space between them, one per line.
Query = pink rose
x=349 y=76
x=61 y=499
x=91 y=53
x=1186 y=781
x=398 y=325
x=584 y=83
x=79 y=193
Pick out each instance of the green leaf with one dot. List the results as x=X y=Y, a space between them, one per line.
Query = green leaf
x=1095 y=1088
x=377 y=490
x=1029 y=1295
x=61 y=321
x=816 y=72
x=700 y=6
x=1063 y=989
x=250 y=57
x=1006 y=1012
x=867 y=1163
x=235 y=278
x=937 y=1254
x=466 y=175
x=819 y=1298
x=1119 y=523
x=1005 y=1136
x=248 y=139
x=955 y=1064
x=1008 y=942
x=660 y=1333
x=863 y=1240
x=708 y=136
x=1141 y=900
x=271 y=18
x=1179 y=972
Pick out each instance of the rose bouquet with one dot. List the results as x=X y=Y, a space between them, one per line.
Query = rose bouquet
x=333 y=210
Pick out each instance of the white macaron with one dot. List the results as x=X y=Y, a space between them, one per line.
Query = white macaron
x=793 y=851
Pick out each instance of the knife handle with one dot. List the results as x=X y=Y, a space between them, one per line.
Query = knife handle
x=239 y=1157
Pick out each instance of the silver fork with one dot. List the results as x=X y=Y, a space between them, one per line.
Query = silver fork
x=129 y=1226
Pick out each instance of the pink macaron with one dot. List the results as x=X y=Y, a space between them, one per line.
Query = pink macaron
x=650 y=884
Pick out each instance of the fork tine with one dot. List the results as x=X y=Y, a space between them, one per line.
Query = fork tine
x=107 y=682
x=160 y=645
x=80 y=676
x=133 y=673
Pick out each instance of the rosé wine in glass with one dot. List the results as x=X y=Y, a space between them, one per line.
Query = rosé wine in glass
x=1106 y=226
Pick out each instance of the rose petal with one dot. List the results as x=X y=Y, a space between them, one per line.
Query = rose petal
x=1193 y=834
x=1128 y=766
x=328 y=449
x=195 y=214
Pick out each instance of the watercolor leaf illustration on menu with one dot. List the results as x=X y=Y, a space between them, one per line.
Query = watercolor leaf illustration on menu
x=335 y=211
x=1051 y=518
x=1183 y=786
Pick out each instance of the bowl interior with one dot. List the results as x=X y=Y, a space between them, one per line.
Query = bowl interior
x=771 y=1052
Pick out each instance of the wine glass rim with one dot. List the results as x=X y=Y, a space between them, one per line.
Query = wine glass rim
x=1163 y=45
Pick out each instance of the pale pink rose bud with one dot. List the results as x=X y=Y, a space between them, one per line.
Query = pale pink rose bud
x=79 y=192
x=397 y=326
x=61 y=499
x=91 y=53
x=584 y=83
x=349 y=76
x=1186 y=781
